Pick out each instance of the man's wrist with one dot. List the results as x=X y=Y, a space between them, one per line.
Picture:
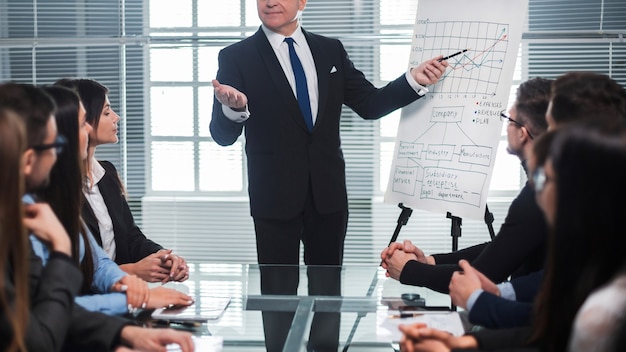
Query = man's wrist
x=471 y=300
x=236 y=115
x=420 y=89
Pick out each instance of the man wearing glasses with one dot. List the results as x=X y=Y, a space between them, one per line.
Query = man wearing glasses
x=519 y=247
x=506 y=117
x=59 y=142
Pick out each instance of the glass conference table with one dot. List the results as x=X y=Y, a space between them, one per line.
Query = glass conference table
x=286 y=308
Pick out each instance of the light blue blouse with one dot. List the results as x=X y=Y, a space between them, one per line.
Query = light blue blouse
x=106 y=274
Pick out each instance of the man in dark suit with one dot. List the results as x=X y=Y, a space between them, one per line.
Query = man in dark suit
x=287 y=87
x=296 y=171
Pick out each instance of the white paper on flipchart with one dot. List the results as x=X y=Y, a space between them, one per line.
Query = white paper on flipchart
x=447 y=142
x=446 y=321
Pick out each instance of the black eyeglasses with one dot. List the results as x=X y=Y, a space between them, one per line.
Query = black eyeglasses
x=58 y=144
x=504 y=116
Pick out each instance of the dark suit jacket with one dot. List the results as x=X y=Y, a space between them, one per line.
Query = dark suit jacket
x=496 y=312
x=131 y=244
x=284 y=159
x=513 y=339
x=56 y=322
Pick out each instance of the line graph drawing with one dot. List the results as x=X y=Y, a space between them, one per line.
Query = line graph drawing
x=479 y=70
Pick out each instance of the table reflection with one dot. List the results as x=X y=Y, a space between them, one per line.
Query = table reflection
x=284 y=280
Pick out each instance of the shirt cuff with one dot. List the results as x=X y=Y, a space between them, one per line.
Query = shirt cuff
x=236 y=116
x=419 y=89
x=507 y=291
x=109 y=304
x=472 y=299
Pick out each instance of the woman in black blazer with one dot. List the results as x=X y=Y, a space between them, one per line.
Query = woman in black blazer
x=106 y=210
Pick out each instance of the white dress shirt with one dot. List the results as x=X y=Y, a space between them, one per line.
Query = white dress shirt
x=94 y=197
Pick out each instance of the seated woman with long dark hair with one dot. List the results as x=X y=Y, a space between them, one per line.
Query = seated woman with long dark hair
x=102 y=276
x=106 y=210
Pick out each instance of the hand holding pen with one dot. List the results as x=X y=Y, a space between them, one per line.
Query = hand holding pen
x=453 y=55
x=429 y=72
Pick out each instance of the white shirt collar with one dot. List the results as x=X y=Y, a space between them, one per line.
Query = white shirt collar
x=276 y=40
x=97 y=171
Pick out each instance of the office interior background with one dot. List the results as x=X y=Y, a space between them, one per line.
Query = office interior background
x=158 y=58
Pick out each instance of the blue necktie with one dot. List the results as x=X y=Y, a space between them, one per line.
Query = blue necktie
x=302 y=90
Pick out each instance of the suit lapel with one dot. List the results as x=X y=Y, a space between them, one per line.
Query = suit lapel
x=321 y=67
x=277 y=75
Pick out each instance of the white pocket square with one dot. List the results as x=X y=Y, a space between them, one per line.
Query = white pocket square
x=333 y=70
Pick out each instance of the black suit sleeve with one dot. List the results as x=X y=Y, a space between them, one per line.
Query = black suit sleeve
x=469 y=254
x=496 y=312
x=223 y=130
x=55 y=322
x=52 y=293
x=93 y=331
x=513 y=339
x=492 y=311
x=435 y=277
x=526 y=287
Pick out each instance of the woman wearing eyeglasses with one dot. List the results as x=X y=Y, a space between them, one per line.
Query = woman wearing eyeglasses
x=581 y=191
x=106 y=210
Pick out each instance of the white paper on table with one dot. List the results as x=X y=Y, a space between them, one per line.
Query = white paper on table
x=446 y=321
x=202 y=344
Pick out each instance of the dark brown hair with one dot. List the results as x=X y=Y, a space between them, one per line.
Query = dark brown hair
x=585 y=248
x=64 y=192
x=587 y=96
x=14 y=243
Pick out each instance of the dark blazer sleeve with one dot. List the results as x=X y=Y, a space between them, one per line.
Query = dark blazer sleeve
x=93 y=331
x=492 y=311
x=223 y=130
x=469 y=254
x=495 y=312
x=526 y=287
x=52 y=293
x=131 y=244
x=55 y=322
x=513 y=339
x=518 y=249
